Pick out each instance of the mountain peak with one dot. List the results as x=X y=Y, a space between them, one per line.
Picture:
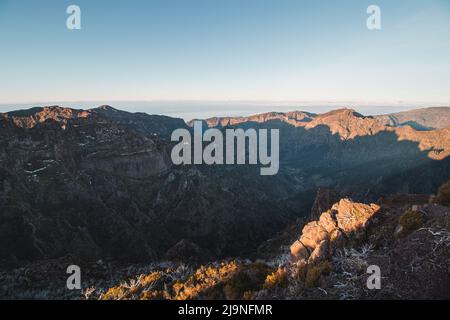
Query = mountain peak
x=31 y=117
x=106 y=108
x=343 y=112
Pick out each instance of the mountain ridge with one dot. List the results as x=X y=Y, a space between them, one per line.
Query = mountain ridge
x=99 y=183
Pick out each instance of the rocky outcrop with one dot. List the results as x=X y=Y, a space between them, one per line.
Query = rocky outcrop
x=420 y=119
x=32 y=117
x=295 y=118
x=345 y=220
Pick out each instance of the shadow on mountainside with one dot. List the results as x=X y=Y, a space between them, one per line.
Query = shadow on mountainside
x=99 y=190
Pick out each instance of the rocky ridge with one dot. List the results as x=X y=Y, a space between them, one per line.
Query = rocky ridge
x=99 y=185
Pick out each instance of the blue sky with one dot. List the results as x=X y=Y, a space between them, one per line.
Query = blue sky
x=222 y=50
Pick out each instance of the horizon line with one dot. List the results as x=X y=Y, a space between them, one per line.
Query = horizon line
x=273 y=102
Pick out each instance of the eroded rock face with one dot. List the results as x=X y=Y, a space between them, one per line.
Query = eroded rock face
x=346 y=219
x=299 y=251
x=100 y=184
x=321 y=252
x=313 y=234
x=353 y=217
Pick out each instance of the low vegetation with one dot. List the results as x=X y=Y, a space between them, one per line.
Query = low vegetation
x=315 y=272
x=279 y=278
x=228 y=280
x=443 y=196
x=411 y=220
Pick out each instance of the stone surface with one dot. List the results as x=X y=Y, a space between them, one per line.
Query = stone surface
x=313 y=234
x=352 y=217
x=321 y=252
x=299 y=251
x=346 y=219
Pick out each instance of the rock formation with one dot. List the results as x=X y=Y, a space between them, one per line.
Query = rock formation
x=346 y=220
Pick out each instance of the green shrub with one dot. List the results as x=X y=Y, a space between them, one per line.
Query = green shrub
x=443 y=196
x=411 y=220
x=249 y=279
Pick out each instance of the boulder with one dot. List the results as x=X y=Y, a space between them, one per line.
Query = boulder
x=353 y=217
x=321 y=252
x=313 y=234
x=319 y=239
x=299 y=251
x=327 y=221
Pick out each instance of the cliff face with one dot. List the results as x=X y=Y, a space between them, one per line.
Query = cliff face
x=420 y=119
x=425 y=119
x=90 y=184
x=78 y=186
x=99 y=183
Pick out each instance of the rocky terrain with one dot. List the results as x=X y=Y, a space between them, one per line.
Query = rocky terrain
x=97 y=188
x=77 y=182
x=420 y=119
x=406 y=236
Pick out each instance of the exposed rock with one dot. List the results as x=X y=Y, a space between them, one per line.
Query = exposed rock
x=100 y=182
x=294 y=118
x=328 y=221
x=32 y=117
x=353 y=217
x=321 y=252
x=299 y=251
x=313 y=234
x=419 y=119
x=346 y=219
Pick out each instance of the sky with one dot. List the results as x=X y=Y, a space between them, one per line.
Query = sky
x=255 y=52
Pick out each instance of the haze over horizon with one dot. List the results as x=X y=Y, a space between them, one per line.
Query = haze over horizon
x=189 y=110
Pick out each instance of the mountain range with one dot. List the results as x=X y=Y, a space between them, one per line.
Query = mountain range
x=99 y=183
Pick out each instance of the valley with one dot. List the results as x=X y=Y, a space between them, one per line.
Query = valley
x=99 y=184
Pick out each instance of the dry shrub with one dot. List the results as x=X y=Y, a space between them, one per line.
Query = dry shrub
x=315 y=272
x=205 y=278
x=151 y=278
x=248 y=279
x=114 y=293
x=277 y=279
x=152 y=295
